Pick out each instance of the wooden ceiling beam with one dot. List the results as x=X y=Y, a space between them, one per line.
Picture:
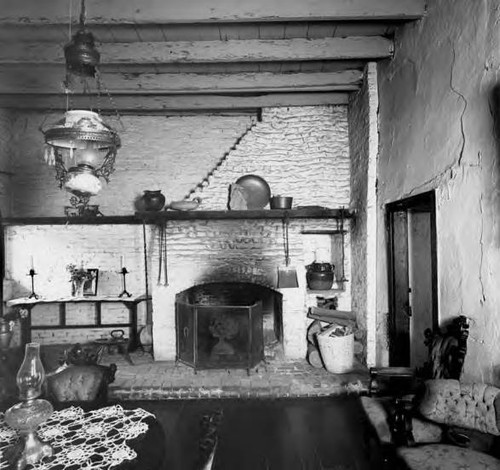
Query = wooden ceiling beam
x=252 y=50
x=203 y=11
x=49 y=81
x=154 y=103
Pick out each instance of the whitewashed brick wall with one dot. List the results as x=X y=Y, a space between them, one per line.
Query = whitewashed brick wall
x=301 y=152
x=170 y=153
x=363 y=127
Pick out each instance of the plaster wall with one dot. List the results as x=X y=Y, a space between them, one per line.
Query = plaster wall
x=437 y=128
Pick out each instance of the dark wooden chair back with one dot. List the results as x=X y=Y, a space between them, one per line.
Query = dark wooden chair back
x=447 y=349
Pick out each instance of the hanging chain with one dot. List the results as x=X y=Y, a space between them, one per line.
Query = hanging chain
x=162 y=264
x=285 y=224
x=343 y=278
x=146 y=274
x=82 y=14
x=102 y=87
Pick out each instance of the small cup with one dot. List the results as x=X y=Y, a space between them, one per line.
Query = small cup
x=281 y=202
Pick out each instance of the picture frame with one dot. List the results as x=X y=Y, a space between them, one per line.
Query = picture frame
x=90 y=286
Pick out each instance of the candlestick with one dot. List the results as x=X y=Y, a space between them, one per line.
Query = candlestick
x=32 y=273
x=124 y=272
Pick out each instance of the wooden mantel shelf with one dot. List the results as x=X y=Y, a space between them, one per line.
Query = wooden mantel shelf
x=306 y=213
x=161 y=216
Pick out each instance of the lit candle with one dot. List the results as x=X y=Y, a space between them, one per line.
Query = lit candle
x=32 y=262
x=122 y=258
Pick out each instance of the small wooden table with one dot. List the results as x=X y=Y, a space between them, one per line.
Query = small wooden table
x=130 y=302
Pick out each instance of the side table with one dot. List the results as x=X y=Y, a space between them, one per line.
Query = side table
x=29 y=303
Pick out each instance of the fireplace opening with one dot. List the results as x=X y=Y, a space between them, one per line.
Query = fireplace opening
x=228 y=325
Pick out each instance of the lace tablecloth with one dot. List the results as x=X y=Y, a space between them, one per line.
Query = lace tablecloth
x=85 y=440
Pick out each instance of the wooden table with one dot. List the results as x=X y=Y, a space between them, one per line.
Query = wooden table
x=29 y=303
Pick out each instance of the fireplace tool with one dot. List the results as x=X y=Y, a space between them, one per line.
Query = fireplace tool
x=287 y=275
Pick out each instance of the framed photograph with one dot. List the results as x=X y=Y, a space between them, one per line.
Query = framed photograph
x=90 y=285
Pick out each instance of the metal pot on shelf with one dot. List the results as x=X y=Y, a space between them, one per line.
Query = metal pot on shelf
x=319 y=276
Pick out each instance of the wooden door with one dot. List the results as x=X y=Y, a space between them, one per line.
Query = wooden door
x=411 y=235
x=399 y=331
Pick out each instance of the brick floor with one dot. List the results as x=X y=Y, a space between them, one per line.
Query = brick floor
x=146 y=379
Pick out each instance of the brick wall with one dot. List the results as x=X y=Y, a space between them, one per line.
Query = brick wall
x=363 y=109
x=301 y=152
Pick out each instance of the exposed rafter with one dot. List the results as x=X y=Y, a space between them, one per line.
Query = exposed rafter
x=182 y=11
x=141 y=103
x=299 y=49
x=49 y=81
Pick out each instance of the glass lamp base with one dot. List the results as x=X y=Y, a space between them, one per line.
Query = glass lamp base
x=25 y=417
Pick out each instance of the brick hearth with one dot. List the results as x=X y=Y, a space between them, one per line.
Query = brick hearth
x=158 y=380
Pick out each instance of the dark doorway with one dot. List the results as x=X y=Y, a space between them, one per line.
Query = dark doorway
x=413 y=304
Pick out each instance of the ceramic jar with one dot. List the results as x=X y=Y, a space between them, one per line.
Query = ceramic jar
x=153 y=200
x=320 y=276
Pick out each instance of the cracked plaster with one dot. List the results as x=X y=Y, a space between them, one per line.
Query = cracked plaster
x=437 y=132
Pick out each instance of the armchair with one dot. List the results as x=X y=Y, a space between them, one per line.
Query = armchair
x=454 y=426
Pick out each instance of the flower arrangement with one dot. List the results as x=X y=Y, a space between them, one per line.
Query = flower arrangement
x=78 y=275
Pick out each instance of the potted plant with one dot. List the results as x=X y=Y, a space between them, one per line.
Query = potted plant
x=78 y=277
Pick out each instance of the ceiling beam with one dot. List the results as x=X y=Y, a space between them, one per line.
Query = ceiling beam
x=49 y=81
x=203 y=11
x=141 y=103
x=253 y=50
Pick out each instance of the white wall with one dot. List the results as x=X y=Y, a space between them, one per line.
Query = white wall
x=302 y=152
x=437 y=132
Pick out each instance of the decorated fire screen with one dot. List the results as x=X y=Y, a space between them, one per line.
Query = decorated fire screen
x=219 y=336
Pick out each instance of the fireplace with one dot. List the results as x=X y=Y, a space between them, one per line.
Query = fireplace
x=227 y=325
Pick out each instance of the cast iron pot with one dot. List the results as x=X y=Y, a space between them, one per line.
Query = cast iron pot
x=153 y=200
x=320 y=276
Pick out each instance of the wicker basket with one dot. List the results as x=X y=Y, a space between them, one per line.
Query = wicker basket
x=337 y=352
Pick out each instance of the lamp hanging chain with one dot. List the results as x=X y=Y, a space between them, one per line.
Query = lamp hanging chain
x=102 y=88
x=82 y=14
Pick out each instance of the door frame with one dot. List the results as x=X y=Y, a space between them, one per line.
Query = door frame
x=424 y=202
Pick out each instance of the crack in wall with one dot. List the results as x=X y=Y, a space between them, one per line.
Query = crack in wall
x=458 y=93
x=481 y=245
x=449 y=169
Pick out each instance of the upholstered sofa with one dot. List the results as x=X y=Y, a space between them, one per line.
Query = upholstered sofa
x=454 y=425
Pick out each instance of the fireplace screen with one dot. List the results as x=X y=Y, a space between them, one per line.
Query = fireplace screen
x=219 y=336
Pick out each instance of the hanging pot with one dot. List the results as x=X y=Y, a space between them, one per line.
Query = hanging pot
x=320 y=276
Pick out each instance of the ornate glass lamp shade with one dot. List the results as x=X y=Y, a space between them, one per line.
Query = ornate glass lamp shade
x=83 y=148
x=31 y=374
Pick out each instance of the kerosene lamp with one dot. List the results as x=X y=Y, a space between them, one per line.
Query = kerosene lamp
x=27 y=415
